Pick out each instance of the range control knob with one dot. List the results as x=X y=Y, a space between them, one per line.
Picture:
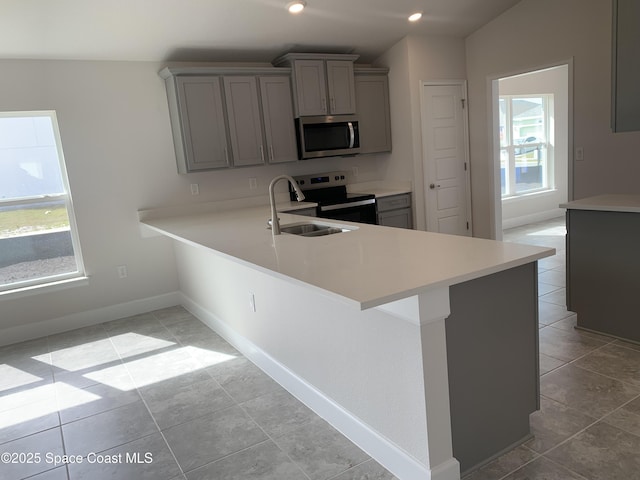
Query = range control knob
x=341 y=177
x=336 y=177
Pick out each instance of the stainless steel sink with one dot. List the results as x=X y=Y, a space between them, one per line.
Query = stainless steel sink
x=312 y=229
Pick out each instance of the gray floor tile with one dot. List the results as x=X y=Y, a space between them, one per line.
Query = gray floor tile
x=278 y=413
x=548 y=363
x=543 y=469
x=369 y=470
x=554 y=423
x=59 y=473
x=143 y=323
x=210 y=438
x=264 y=461
x=614 y=361
x=32 y=358
x=601 y=452
x=557 y=297
x=549 y=313
x=90 y=354
x=26 y=394
x=75 y=403
x=552 y=277
x=152 y=368
x=503 y=465
x=148 y=458
x=588 y=392
x=171 y=404
x=27 y=420
x=16 y=377
x=170 y=315
x=320 y=450
x=566 y=345
x=116 y=427
x=242 y=379
x=76 y=337
x=626 y=418
x=544 y=288
x=634 y=346
x=42 y=444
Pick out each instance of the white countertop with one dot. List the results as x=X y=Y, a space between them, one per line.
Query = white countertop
x=381 y=189
x=366 y=267
x=606 y=203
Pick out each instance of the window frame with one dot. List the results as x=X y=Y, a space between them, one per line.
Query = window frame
x=510 y=147
x=65 y=198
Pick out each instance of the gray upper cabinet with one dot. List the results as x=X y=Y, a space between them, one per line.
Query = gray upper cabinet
x=198 y=122
x=324 y=84
x=626 y=68
x=372 y=103
x=277 y=112
x=340 y=82
x=245 y=127
x=311 y=92
x=230 y=116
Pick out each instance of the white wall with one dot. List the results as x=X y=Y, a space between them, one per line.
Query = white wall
x=415 y=59
x=116 y=136
x=540 y=206
x=534 y=34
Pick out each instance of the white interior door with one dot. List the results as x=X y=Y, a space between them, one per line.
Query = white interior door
x=445 y=158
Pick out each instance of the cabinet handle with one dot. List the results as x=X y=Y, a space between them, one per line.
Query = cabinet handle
x=226 y=155
x=324 y=105
x=333 y=104
x=262 y=153
x=271 y=152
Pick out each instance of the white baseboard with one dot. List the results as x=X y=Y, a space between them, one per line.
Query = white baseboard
x=532 y=218
x=388 y=454
x=84 y=319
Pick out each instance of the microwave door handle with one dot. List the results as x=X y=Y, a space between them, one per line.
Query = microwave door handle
x=352 y=135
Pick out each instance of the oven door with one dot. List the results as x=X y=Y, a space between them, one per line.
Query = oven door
x=363 y=211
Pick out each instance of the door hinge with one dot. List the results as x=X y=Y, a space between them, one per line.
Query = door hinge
x=463 y=100
x=465 y=166
x=467 y=225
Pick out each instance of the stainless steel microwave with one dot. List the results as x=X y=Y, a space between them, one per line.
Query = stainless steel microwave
x=327 y=136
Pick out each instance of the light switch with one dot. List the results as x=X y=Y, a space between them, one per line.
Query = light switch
x=579 y=154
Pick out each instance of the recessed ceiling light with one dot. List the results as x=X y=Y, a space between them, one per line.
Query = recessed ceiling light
x=296 y=7
x=414 y=17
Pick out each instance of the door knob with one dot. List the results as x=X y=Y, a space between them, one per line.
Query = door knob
x=433 y=185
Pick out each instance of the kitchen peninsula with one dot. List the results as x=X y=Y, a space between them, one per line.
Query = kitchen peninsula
x=419 y=347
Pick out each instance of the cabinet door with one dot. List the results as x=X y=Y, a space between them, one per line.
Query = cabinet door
x=277 y=114
x=342 y=96
x=372 y=103
x=201 y=118
x=626 y=70
x=245 y=128
x=396 y=218
x=311 y=93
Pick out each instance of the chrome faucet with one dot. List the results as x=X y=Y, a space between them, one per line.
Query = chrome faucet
x=275 y=223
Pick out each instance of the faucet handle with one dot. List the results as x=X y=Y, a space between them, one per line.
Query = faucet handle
x=270 y=222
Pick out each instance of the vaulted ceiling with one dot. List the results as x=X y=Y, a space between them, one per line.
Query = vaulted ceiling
x=225 y=30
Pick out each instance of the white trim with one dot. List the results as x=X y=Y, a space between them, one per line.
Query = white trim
x=385 y=452
x=84 y=319
x=48 y=287
x=533 y=218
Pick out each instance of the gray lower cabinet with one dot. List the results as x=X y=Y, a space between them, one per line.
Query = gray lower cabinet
x=372 y=103
x=307 y=212
x=395 y=211
x=198 y=122
x=626 y=69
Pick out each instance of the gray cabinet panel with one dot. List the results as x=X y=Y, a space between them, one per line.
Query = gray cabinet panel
x=342 y=96
x=626 y=68
x=372 y=104
x=245 y=127
x=395 y=211
x=311 y=92
x=202 y=144
x=277 y=112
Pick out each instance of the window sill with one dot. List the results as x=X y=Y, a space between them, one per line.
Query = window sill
x=526 y=196
x=44 y=288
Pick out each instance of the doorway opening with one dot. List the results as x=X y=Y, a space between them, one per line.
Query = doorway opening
x=532 y=132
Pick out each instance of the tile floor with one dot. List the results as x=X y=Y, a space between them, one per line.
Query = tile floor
x=158 y=396
x=161 y=397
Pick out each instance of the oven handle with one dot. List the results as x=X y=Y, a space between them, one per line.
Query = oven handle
x=328 y=208
x=352 y=135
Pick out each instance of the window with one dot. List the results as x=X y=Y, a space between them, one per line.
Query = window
x=526 y=159
x=38 y=240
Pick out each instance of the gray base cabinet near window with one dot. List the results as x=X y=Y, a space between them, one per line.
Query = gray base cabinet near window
x=230 y=117
x=395 y=211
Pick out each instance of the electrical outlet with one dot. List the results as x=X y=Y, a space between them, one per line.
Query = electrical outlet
x=122 y=271
x=253 y=183
x=195 y=190
x=252 y=302
x=579 y=154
